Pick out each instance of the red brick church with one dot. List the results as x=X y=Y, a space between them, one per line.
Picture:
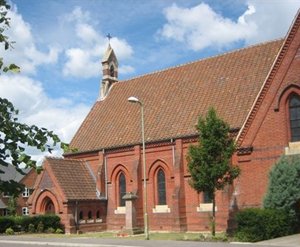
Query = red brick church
x=255 y=89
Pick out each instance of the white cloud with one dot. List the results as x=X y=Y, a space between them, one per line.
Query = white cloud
x=25 y=52
x=126 y=69
x=273 y=18
x=59 y=115
x=83 y=60
x=78 y=15
x=86 y=33
x=81 y=63
x=200 y=27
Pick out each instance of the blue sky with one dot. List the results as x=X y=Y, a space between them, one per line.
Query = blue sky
x=59 y=46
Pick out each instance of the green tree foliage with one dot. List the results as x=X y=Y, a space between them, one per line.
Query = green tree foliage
x=4 y=25
x=16 y=136
x=12 y=206
x=284 y=185
x=209 y=162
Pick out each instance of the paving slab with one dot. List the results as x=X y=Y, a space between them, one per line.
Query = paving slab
x=287 y=241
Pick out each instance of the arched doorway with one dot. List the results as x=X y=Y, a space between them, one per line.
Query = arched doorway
x=47 y=206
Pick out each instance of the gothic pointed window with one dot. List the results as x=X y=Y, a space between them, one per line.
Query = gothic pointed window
x=122 y=189
x=161 y=187
x=294 y=109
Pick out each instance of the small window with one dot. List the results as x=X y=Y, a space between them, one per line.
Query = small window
x=161 y=187
x=25 y=192
x=81 y=215
x=25 y=211
x=122 y=189
x=90 y=215
x=98 y=214
x=294 y=109
x=206 y=198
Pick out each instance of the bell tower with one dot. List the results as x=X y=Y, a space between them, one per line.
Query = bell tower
x=109 y=71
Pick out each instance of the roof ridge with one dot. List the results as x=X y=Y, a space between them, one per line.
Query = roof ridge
x=202 y=59
x=62 y=158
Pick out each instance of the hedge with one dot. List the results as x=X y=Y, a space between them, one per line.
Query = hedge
x=6 y=222
x=21 y=223
x=255 y=224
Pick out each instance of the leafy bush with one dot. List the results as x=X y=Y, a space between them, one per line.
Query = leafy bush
x=40 y=227
x=48 y=220
x=25 y=222
x=256 y=224
x=31 y=228
x=50 y=230
x=6 y=222
x=59 y=231
x=9 y=231
x=29 y=224
x=284 y=185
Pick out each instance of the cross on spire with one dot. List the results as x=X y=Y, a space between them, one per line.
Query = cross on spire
x=109 y=37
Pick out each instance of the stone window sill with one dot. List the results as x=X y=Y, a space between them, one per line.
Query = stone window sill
x=293 y=148
x=120 y=210
x=161 y=209
x=205 y=207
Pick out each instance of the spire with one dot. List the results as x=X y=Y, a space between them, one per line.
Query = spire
x=109 y=70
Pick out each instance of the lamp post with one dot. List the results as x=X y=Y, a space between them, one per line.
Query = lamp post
x=146 y=230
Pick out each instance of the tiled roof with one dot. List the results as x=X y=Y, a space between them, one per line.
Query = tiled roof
x=74 y=178
x=10 y=173
x=174 y=98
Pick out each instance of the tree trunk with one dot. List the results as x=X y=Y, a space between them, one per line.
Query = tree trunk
x=213 y=220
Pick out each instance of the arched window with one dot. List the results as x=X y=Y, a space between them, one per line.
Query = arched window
x=294 y=108
x=161 y=187
x=98 y=214
x=122 y=189
x=90 y=215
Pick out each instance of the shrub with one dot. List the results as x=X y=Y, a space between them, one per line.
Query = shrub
x=9 y=231
x=6 y=222
x=50 y=230
x=48 y=220
x=256 y=224
x=40 y=227
x=284 y=185
x=31 y=228
x=29 y=224
x=59 y=231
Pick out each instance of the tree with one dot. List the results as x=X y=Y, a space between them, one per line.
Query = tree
x=209 y=162
x=284 y=185
x=15 y=137
x=12 y=206
x=4 y=25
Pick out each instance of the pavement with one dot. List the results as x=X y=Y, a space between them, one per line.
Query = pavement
x=27 y=241
x=288 y=241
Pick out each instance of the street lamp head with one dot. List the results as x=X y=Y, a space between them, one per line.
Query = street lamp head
x=133 y=99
